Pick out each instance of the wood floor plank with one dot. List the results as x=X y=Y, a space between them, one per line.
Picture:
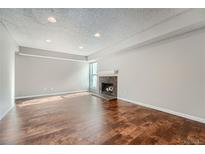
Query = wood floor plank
x=86 y=119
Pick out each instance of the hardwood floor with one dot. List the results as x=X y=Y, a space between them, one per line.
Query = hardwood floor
x=86 y=119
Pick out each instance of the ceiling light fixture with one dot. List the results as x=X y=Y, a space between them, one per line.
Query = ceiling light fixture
x=48 y=41
x=80 y=47
x=52 y=20
x=97 y=35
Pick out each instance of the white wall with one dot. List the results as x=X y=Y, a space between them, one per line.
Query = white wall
x=7 y=52
x=169 y=75
x=40 y=76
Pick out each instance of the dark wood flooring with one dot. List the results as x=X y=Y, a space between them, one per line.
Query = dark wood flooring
x=86 y=119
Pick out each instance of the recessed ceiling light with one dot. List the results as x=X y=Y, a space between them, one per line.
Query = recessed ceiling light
x=48 y=41
x=51 y=19
x=97 y=34
x=80 y=47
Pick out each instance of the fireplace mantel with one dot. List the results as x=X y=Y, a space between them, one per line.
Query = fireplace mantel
x=108 y=73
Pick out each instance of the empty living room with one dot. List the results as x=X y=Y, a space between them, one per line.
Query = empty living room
x=102 y=76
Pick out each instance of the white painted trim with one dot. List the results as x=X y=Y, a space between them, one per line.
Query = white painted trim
x=49 y=57
x=3 y=115
x=187 y=116
x=104 y=75
x=51 y=94
x=108 y=73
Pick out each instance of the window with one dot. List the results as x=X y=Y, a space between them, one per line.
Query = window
x=93 y=76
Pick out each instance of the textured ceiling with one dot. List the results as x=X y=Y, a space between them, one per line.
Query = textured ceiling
x=76 y=27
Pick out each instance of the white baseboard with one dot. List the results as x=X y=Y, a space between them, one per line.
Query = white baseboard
x=198 y=119
x=2 y=116
x=51 y=94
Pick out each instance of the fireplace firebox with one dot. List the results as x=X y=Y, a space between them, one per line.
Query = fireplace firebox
x=107 y=88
